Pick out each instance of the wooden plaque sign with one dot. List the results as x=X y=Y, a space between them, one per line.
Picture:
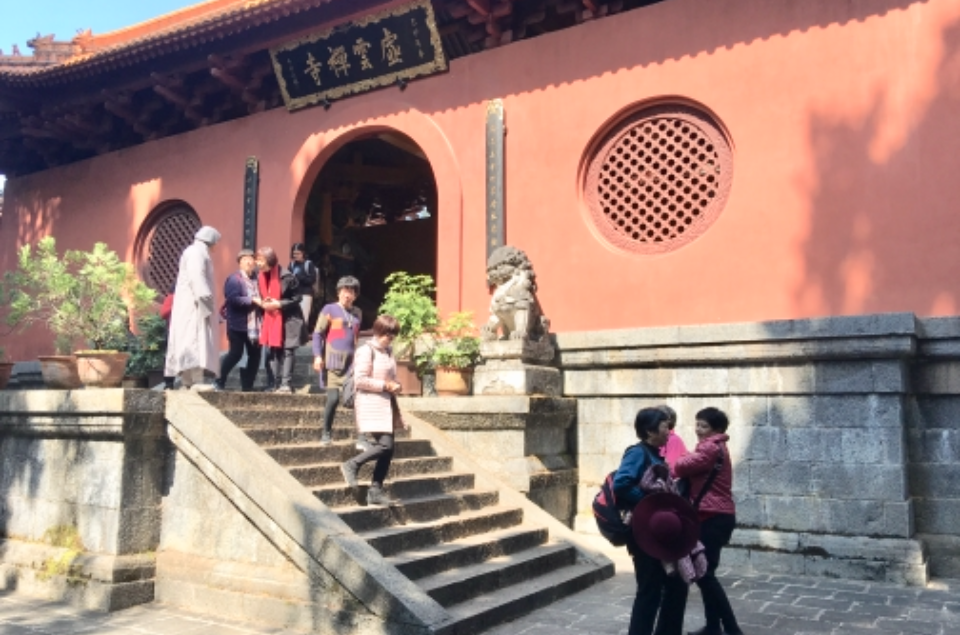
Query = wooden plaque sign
x=251 y=191
x=495 y=209
x=384 y=48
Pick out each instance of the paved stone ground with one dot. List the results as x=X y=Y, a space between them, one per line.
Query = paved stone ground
x=765 y=605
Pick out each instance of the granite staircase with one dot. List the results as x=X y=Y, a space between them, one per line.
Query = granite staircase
x=479 y=558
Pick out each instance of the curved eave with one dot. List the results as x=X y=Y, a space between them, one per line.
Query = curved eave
x=229 y=23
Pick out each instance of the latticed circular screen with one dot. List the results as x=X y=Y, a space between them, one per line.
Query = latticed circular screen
x=659 y=179
x=163 y=243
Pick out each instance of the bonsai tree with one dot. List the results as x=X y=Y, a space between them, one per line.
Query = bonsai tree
x=457 y=345
x=409 y=299
x=85 y=295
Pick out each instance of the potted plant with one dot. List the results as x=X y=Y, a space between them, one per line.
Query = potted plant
x=31 y=293
x=6 y=369
x=86 y=295
x=149 y=350
x=455 y=351
x=409 y=299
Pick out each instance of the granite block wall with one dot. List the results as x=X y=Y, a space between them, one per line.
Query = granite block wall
x=819 y=411
x=80 y=494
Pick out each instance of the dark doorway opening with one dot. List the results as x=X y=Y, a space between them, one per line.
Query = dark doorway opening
x=372 y=211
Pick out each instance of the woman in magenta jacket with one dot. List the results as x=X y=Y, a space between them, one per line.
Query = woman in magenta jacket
x=717 y=514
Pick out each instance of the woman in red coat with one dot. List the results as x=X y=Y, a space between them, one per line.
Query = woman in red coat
x=717 y=514
x=282 y=329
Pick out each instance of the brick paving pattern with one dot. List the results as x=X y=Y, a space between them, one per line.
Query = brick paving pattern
x=765 y=604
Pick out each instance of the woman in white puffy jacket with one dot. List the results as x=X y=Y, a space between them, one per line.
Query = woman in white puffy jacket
x=375 y=406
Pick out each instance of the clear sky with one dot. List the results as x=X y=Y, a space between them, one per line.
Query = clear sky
x=20 y=20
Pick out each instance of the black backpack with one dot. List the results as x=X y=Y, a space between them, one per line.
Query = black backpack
x=348 y=391
x=608 y=516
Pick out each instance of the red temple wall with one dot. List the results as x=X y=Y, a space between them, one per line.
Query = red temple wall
x=842 y=116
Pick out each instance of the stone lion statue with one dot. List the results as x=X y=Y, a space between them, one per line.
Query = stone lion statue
x=515 y=312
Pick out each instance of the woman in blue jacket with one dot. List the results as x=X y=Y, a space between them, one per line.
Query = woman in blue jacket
x=658 y=595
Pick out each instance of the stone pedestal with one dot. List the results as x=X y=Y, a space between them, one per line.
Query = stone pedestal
x=526 y=441
x=517 y=367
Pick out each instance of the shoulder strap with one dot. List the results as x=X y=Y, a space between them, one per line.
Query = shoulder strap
x=710 y=479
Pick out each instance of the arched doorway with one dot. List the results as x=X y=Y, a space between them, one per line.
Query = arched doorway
x=371 y=211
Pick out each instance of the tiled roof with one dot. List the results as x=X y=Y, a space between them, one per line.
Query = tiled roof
x=186 y=28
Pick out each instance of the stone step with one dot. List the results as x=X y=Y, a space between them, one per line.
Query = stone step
x=272 y=435
x=298 y=454
x=416 y=510
x=467 y=551
x=288 y=417
x=485 y=611
x=455 y=586
x=394 y=539
x=230 y=400
x=341 y=495
x=320 y=474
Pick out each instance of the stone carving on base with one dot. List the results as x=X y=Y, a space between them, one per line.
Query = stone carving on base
x=516 y=345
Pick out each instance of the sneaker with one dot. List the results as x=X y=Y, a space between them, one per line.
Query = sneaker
x=363 y=444
x=376 y=496
x=349 y=470
x=325 y=438
x=286 y=390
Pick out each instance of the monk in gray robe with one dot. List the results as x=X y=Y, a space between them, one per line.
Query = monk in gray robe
x=191 y=350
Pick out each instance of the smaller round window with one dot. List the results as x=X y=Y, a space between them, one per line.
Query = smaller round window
x=167 y=232
x=659 y=179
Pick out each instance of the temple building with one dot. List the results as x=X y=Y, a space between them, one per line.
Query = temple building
x=661 y=162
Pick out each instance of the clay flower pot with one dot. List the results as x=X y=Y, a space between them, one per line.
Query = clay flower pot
x=454 y=381
x=6 y=369
x=101 y=369
x=59 y=372
x=407 y=377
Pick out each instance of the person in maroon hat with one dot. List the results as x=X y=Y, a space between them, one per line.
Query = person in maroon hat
x=660 y=599
x=717 y=514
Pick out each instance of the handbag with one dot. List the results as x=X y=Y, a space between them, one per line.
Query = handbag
x=683 y=484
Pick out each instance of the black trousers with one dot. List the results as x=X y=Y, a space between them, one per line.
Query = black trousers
x=715 y=532
x=330 y=410
x=657 y=593
x=381 y=451
x=240 y=341
x=279 y=365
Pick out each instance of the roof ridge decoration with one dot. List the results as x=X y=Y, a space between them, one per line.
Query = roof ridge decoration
x=238 y=15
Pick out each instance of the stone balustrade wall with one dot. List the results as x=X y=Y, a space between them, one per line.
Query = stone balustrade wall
x=843 y=433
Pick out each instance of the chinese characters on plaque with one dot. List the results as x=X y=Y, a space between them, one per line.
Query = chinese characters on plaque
x=378 y=50
x=494 y=149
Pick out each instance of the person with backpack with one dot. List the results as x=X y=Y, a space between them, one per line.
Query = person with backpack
x=306 y=274
x=717 y=513
x=334 y=344
x=377 y=413
x=661 y=599
x=242 y=307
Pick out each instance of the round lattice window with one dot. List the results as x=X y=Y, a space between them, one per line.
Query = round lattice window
x=162 y=240
x=659 y=179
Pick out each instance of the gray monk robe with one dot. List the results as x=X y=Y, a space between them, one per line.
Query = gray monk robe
x=191 y=348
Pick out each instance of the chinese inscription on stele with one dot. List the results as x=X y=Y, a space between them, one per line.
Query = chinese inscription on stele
x=378 y=50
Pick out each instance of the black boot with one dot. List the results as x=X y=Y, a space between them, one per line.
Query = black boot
x=349 y=470
x=376 y=496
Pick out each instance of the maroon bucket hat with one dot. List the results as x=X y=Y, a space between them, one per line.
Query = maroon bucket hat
x=665 y=526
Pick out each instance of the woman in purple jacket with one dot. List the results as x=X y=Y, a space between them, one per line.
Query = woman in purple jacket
x=718 y=514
